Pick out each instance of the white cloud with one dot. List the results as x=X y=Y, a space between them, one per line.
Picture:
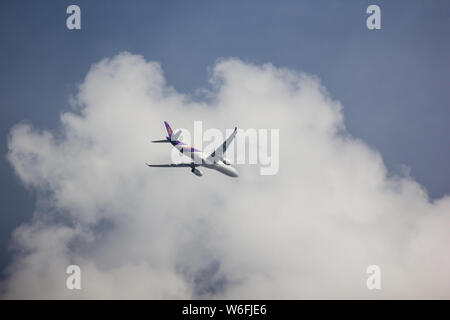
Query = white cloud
x=137 y=232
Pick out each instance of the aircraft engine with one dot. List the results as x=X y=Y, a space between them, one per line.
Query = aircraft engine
x=226 y=161
x=197 y=172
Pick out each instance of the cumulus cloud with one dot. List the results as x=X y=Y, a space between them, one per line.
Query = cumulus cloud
x=137 y=232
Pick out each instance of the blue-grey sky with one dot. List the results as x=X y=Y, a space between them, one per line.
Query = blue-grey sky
x=393 y=83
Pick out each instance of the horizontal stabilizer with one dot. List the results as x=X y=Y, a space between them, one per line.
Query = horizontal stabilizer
x=175 y=136
x=161 y=141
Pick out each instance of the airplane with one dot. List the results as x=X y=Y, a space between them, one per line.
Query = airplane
x=215 y=160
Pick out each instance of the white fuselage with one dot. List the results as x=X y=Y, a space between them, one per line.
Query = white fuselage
x=200 y=159
x=223 y=168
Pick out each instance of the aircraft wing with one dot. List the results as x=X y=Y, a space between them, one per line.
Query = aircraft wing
x=219 y=152
x=173 y=165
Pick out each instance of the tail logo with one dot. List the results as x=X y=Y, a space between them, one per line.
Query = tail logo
x=169 y=129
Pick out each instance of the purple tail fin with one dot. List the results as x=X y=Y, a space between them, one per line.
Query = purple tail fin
x=169 y=129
